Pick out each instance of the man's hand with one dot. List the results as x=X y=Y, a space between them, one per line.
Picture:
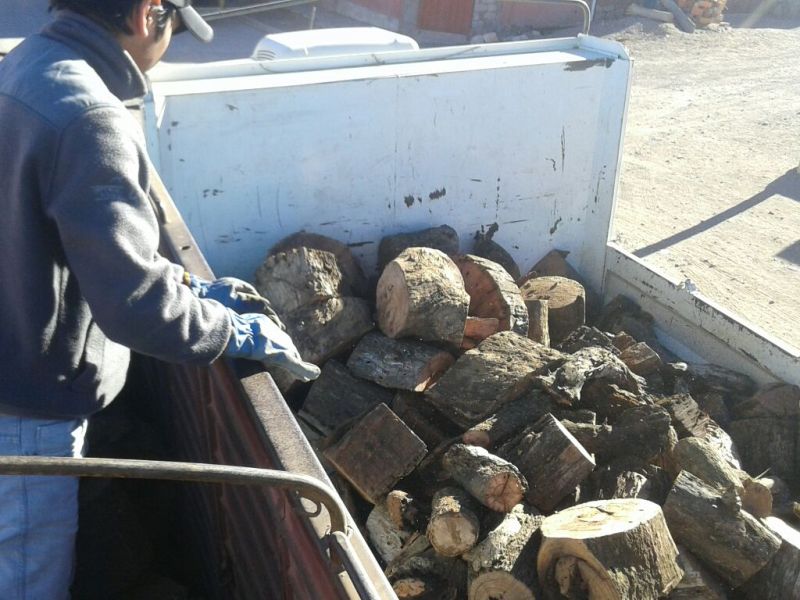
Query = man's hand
x=257 y=337
x=233 y=293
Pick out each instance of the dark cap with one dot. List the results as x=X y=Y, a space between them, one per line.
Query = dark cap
x=192 y=20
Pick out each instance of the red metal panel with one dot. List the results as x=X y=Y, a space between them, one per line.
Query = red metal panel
x=451 y=16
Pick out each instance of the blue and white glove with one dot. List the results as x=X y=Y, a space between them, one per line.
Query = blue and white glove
x=257 y=337
x=233 y=293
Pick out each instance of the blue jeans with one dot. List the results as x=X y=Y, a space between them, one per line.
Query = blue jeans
x=38 y=515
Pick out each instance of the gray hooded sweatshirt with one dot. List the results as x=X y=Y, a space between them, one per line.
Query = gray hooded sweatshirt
x=81 y=280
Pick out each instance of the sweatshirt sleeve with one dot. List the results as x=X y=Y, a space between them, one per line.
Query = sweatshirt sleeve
x=98 y=199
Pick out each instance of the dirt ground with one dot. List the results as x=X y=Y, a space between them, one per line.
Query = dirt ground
x=709 y=184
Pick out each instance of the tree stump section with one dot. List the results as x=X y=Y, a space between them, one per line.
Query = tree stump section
x=443 y=238
x=502 y=565
x=538 y=317
x=608 y=550
x=780 y=579
x=351 y=270
x=376 y=453
x=481 y=380
x=421 y=294
x=509 y=420
x=553 y=462
x=398 y=364
x=300 y=277
x=494 y=482
x=493 y=293
x=337 y=397
x=566 y=303
x=329 y=328
x=454 y=526
x=733 y=543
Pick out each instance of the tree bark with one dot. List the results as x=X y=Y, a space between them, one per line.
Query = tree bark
x=610 y=549
x=423 y=419
x=698 y=583
x=780 y=578
x=454 y=526
x=509 y=420
x=494 y=482
x=733 y=543
x=443 y=238
x=418 y=573
x=421 y=294
x=566 y=303
x=386 y=537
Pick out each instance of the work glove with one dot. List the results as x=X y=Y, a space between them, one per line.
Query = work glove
x=257 y=337
x=233 y=293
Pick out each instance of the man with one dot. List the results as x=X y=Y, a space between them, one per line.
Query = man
x=81 y=280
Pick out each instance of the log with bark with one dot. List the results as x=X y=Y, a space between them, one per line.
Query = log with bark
x=701 y=459
x=421 y=294
x=566 y=303
x=629 y=477
x=502 y=564
x=376 y=453
x=405 y=510
x=608 y=549
x=423 y=419
x=734 y=544
x=486 y=247
x=349 y=266
x=697 y=583
x=641 y=359
x=768 y=443
x=493 y=293
x=586 y=337
x=454 y=526
x=499 y=370
x=419 y=573
x=385 y=536
x=337 y=397
x=443 y=238
x=780 y=578
x=687 y=417
x=509 y=420
x=398 y=364
x=494 y=482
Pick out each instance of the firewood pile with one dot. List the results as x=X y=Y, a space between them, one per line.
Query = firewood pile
x=703 y=12
x=493 y=444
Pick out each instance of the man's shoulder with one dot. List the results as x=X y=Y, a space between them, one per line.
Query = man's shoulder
x=52 y=81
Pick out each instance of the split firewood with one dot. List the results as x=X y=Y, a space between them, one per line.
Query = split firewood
x=419 y=573
x=697 y=583
x=486 y=247
x=329 y=328
x=623 y=341
x=509 y=420
x=607 y=399
x=566 y=303
x=300 y=277
x=538 y=317
x=756 y=496
x=609 y=549
x=443 y=238
x=493 y=293
x=421 y=294
x=337 y=397
x=423 y=419
x=586 y=365
x=404 y=510
x=501 y=566
x=733 y=543
x=494 y=482
x=351 y=270
x=454 y=526
x=641 y=359
x=687 y=417
x=479 y=328
x=481 y=380
x=385 y=536
x=722 y=441
x=553 y=462
x=376 y=452
x=587 y=337
x=780 y=578
x=701 y=459
x=398 y=364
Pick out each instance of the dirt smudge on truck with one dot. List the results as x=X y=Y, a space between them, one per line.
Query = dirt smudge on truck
x=437 y=194
x=588 y=64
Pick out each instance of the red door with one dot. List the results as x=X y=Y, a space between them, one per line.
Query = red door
x=451 y=16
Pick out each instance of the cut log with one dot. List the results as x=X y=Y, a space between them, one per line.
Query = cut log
x=566 y=303
x=608 y=549
x=418 y=573
x=327 y=329
x=404 y=510
x=698 y=583
x=421 y=294
x=443 y=238
x=300 y=277
x=423 y=419
x=538 y=316
x=501 y=566
x=494 y=482
x=733 y=543
x=641 y=359
x=701 y=459
x=553 y=462
x=629 y=478
x=493 y=293
x=454 y=526
x=608 y=400
x=499 y=370
x=398 y=364
x=487 y=248
x=509 y=420
x=687 y=417
x=385 y=536
x=479 y=328
x=376 y=453
x=351 y=270
x=780 y=579
x=337 y=397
